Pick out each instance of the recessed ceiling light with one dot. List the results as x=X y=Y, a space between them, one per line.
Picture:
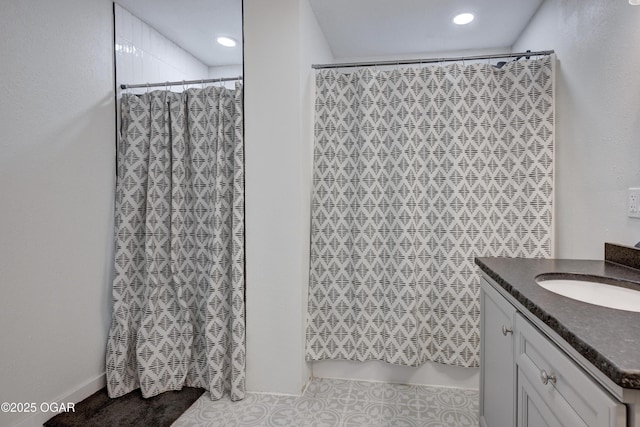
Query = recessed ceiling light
x=634 y=2
x=226 y=41
x=464 y=18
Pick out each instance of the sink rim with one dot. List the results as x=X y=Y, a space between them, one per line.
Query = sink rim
x=611 y=281
x=591 y=294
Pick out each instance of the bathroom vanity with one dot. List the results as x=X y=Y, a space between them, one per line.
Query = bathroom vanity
x=550 y=360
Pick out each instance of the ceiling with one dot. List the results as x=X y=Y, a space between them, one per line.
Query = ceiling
x=365 y=28
x=194 y=25
x=353 y=28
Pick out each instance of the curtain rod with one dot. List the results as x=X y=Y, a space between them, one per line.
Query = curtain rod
x=431 y=60
x=183 y=82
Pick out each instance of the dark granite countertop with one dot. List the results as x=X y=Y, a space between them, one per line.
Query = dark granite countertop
x=608 y=338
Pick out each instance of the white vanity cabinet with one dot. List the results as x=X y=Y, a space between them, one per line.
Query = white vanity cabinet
x=527 y=381
x=553 y=390
x=497 y=373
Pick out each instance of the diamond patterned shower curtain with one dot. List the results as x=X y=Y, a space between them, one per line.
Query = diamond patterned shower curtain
x=416 y=172
x=178 y=292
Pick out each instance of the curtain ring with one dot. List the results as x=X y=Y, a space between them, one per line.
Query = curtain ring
x=147 y=87
x=202 y=83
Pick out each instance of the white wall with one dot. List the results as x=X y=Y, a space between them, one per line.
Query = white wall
x=430 y=54
x=280 y=39
x=597 y=119
x=56 y=185
x=234 y=70
x=143 y=55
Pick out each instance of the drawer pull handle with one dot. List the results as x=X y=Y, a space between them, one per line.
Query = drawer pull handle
x=546 y=378
x=506 y=330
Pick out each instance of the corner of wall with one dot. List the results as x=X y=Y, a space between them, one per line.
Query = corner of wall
x=597 y=122
x=273 y=198
x=313 y=48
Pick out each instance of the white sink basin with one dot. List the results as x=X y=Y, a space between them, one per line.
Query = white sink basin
x=603 y=293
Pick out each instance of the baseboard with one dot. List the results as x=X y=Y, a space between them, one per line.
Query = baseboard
x=431 y=374
x=73 y=396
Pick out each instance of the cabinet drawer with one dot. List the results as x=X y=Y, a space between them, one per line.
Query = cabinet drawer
x=569 y=393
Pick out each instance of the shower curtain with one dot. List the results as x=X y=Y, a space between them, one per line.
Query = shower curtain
x=178 y=291
x=416 y=172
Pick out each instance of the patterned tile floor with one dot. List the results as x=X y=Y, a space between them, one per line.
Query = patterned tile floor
x=341 y=403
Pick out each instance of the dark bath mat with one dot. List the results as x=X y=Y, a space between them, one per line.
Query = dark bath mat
x=98 y=410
